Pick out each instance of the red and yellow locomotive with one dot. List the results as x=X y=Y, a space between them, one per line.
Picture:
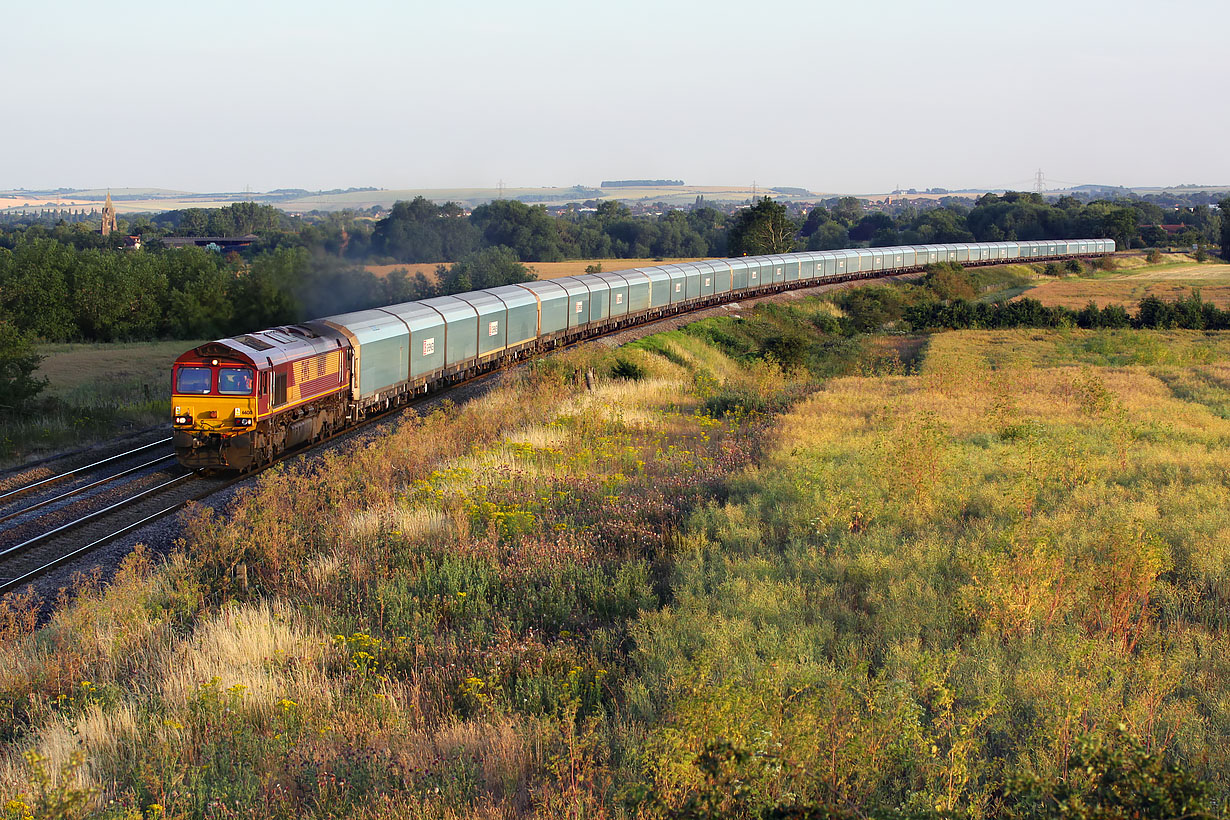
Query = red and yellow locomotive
x=239 y=402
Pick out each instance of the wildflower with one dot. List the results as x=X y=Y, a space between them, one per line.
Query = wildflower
x=18 y=810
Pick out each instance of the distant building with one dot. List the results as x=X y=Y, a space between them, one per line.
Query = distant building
x=109 y=221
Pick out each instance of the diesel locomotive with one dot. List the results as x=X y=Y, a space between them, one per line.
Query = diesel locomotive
x=240 y=402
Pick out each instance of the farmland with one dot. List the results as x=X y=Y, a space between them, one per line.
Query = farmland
x=760 y=567
x=94 y=391
x=1134 y=280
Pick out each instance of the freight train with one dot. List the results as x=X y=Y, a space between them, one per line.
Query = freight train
x=240 y=402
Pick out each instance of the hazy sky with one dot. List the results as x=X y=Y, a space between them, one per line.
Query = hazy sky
x=832 y=96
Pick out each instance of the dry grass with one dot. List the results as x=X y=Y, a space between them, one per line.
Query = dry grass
x=437 y=623
x=1128 y=291
x=965 y=569
x=1135 y=278
x=73 y=368
x=543 y=270
x=267 y=649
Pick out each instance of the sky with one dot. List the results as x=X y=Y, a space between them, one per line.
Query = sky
x=851 y=97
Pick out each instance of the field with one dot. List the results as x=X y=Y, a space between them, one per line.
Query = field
x=132 y=200
x=94 y=391
x=1134 y=280
x=750 y=573
x=543 y=270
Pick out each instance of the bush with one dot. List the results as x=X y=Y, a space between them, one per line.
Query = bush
x=789 y=348
x=1153 y=256
x=1052 y=269
x=1074 y=266
x=949 y=281
x=18 y=361
x=627 y=369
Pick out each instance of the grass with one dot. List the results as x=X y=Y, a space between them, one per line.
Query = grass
x=765 y=571
x=932 y=582
x=1133 y=279
x=94 y=391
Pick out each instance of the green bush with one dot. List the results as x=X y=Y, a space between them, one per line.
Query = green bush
x=18 y=361
x=625 y=368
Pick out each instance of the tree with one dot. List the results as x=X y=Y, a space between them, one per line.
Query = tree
x=421 y=231
x=18 y=361
x=487 y=268
x=848 y=210
x=529 y=231
x=1224 y=208
x=829 y=236
x=1120 y=225
x=764 y=228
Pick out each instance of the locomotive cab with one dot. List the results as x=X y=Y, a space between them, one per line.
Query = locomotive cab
x=215 y=400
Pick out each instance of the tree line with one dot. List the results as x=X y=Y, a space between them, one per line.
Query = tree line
x=65 y=282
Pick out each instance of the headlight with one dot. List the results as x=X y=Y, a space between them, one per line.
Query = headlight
x=243 y=422
x=183 y=418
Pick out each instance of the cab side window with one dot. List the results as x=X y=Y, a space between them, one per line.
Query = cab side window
x=278 y=394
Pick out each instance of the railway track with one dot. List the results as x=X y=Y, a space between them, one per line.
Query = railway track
x=45 y=529
x=51 y=518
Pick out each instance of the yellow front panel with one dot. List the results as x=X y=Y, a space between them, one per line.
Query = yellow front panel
x=215 y=414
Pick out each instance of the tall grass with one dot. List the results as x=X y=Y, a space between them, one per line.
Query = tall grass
x=935 y=584
x=435 y=623
x=712 y=583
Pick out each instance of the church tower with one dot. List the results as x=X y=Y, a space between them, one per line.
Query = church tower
x=110 y=223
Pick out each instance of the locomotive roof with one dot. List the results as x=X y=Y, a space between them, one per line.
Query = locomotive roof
x=265 y=348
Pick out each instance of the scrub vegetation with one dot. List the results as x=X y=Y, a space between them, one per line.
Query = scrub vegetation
x=766 y=567
x=89 y=392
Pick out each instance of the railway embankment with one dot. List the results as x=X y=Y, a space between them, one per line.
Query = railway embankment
x=759 y=564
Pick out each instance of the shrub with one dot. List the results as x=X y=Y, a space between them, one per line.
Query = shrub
x=625 y=368
x=18 y=361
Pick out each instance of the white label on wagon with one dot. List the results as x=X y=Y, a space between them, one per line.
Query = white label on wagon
x=493 y=328
x=429 y=346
